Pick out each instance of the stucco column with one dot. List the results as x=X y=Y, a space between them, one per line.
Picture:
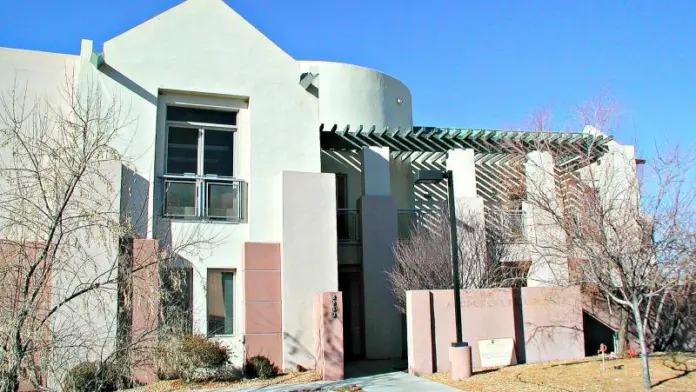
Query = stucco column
x=375 y=171
x=379 y=233
x=463 y=166
x=468 y=206
x=549 y=266
x=309 y=258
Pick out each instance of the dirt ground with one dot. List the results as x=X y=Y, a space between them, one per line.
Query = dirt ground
x=178 y=385
x=674 y=372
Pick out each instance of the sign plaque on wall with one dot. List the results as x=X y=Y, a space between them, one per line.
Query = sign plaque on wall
x=497 y=352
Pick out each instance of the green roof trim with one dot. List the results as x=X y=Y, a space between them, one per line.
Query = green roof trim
x=97 y=59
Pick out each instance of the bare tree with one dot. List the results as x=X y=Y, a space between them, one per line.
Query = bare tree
x=632 y=241
x=62 y=259
x=424 y=260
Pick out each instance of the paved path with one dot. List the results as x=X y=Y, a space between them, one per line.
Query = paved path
x=388 y=382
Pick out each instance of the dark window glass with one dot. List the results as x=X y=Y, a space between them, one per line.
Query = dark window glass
x=220 y=303
x=182 y=150
x=223 y=201
x=218 y=153
x=341 y=190
x=180 y=198
x=182 y=113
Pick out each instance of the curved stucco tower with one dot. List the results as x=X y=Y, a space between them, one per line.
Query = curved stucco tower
x=353 y=95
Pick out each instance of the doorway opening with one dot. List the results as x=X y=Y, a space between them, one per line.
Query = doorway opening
x=350 y=283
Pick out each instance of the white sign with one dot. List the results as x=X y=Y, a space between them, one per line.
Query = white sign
x=497 y=352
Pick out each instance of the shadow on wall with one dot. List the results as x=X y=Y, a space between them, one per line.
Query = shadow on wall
x=135 y=206
x=128 y=83
x=328 y=335
x=545 y=323
x=429 y=198
x=518 y=316
x=295 y=349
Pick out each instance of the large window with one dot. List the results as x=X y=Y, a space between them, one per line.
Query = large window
x=220 y=302
x=199 y=180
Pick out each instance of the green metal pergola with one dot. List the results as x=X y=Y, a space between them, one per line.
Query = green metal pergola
x=404 y=143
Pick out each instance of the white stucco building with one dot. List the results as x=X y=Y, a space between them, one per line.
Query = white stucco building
x=308 y=164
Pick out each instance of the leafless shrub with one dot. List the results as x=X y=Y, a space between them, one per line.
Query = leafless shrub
x=424 y=261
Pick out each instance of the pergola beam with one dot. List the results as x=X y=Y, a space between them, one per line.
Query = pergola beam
x=441 y=140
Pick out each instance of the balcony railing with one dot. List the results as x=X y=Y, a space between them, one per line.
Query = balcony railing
x=207 y=198
x=348 y=225
x=512 y=225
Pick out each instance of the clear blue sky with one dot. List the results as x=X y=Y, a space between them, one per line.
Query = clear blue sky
x=468 y=64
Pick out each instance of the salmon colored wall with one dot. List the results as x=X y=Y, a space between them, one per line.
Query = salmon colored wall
x=328 y=335
x=145 y=304
x=262 y=301
x=19 y=256
x=545 y=322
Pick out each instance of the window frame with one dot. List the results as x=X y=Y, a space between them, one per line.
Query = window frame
x=199 y=178
x=221 y=271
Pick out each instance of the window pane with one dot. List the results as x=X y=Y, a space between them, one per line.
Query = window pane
x=220 y=303
x=180 y=198
x=182 y=113
x=223 y=201
x=218 y=153
x=182 y=150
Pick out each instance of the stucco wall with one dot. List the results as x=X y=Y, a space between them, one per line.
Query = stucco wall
x=86 y=328
x=159 y=62
x=545 y=323
x=309 y=256
x=40 y=74
x=383 y=330
x=354 y=95
x=549 y=265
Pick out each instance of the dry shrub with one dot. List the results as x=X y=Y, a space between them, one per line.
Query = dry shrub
x=189 y=357
x=260 y=367
x=94 y=377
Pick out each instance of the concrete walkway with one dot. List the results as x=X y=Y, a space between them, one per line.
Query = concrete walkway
x=388 y=382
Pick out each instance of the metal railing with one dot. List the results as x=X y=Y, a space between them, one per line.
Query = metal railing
x=512 y=224
x=203 y=197
x=348 y=225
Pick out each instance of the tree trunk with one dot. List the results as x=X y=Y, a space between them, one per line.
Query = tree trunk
x=623 y=332
x=647 y=383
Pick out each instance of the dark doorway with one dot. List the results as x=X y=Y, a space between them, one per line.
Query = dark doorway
x=350 y=284
x=596 y=333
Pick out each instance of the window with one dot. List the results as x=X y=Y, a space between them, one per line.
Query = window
x=199 y=177
x=220 y=302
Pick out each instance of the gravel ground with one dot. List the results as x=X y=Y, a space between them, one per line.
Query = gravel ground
x=670 y=372
x=178 y=385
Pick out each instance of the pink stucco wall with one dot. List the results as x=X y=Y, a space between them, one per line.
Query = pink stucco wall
x=145 y=304
x=14 y=258
x=546 y=324
x=262 y=301
x=328 y=335
x=552 y=323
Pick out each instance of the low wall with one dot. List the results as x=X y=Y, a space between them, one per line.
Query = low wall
x=544 y=322
x=328 y=335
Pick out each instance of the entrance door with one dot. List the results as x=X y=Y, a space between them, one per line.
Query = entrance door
x=350 y=284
